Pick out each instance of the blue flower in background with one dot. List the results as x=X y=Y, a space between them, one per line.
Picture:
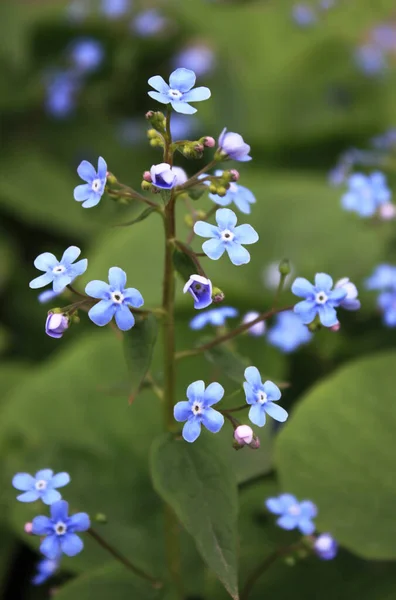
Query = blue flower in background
x=149 y=23
x=226 y=237
x=91 y=192
x=289 y=332
x=366 y=193
x=42 y=486
x=45 y=569
x=163 y=176
x=61 y=89
x=256 y=330
x=47 y=296
x=233 y=146
x=198 y=410
x=86 y=55
x=385 y=141
x=293 y=514
x=59 y=273
x=320 y=299
x=114 y=300
x=262 y=397
x=114 y=9
x=350 y=302
x=303 y=15
x=371 y=60
x=384 y=36
x=200 y=289
x=216 y=317
x=179 y=92
x=383 y=278
x=237 y=194
x=386 y=302
x=198 y=58
x=325 y=546
x=60 y=531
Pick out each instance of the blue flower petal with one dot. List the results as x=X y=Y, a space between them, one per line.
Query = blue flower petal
x=133 y=297
x=86 y=171
x=308 y=509
x=196 y=391
x=82 y=192
x=197 y=94
x=93 y=200
x=257 y=415
x=159 y=97
x=182 y=80
x=41 y=281
x=287 y=500
x=183 y=108
x=327 y=315
x=337 y=296
x=350 y=201
x=50 y=547
x=221 y=200
x=59 y=511
x=45 y=474
x=159 y=84
x=213 y=393
x=212 y=419
x=79 y=522
x=124 y=318
x=272 y=391
x=246 y=234
x=276 y=412
x=274 y=505
x=237 y=253
x=42 y=525
x=78 y=268
x=117 y=278
x=214 y=248
x=71 y=544
x=250 y=394
x=23 y=482
x=191 y=430
x=323 y=282
x=252 y=376
x=50 y=496
x=287 y=522
x=204 y=229
x=98 y=289
x=226 y=218
x=70 y=255
x=102 y=313
x=182 y=411
x=60 y=480
x=302 y=287
x=60 y=282
x=45 y=261
x=306 y=526
x=102 y=168
x=306 y=310
x=30 y=496
x=243 y=198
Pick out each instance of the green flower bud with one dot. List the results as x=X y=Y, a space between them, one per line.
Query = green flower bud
x=146 y=186
x=100 y=518
x=157 y=120
x=217 y=295
x=284 y=267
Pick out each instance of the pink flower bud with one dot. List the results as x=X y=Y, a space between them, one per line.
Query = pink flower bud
x=147 y=176
x=28 y=528
x=209 y=142
x=336 y=327
x=387 y=211
x=149 y=114
x=243 y=434
x=234 y=174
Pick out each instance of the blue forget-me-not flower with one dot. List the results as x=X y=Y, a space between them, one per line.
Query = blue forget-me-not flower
x=325 y=546
x=293 y=514
x=226 y=237
x=371 y=60
x=149 y=23
x=366 y=193
x=198 y=410
x=216 y=317
x=45 y=569
x=303 y=15
x=86 y=54
x=289 y=332
x=114 y=9
x=114 y=300
x=199 y=58
x=237 y=194
x=61 y=89
x=60 y=531
x=59 y=273
x=262 y=397
x=179 y=92
x=320 y=299
x=163 y=176
x=200 y=289
x=42 y=486
x=233 y=146
x=91 y=192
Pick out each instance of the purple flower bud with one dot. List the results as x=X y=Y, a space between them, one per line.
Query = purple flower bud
x=200 y=289
x=56 y=324
x=325 y=546
x=234 y=174
x=147 y=176
x=28 y=527
x=233 y=146
x=209 y=142
x=258 y=329
x=243 y=434
x=163 y=176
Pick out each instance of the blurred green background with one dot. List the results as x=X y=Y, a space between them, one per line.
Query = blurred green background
x=297 y=97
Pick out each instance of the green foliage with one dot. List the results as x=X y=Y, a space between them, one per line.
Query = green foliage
x=195 y=482
x=184 y=264
x=139 y=345
x=227 y=360
x=143 y=215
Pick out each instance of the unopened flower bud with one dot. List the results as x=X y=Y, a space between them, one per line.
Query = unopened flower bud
x=255 y=443
x=189 y=221
x=221 y=191
x=209 y=142
x=234 y=174
x=387 y=211
x=56 y=324
x=243 y=434
x=28 y=527
x=149 y=115
x=325 y=546
x=213 y=189
x=101 y=518
x=147 y=176
x=146 y=186
x=111 y=178
x=335 y=327
x=217 y=295
x=284 y=267
x=152 y=134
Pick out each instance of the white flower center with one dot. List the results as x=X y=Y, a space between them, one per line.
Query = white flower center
x=321 y=298
x=197 y=408
x=59 y=269
x=261 y=397
x=227 y=235
x=294 y=510
x=96 y=185
x=60 y=528
x=175 y=94
x=117 y=297
x=41 y=484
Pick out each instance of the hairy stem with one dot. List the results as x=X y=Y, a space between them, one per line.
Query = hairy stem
x=231 y=334
x=123 y=559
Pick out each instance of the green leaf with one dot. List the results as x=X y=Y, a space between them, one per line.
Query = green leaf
x=196 y=483
x=228 y=360
x=337 y=450
x=183 y=264
x=139 y=344
x=143 y=215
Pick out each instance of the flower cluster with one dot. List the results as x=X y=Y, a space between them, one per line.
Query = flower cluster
x=366 y=194
x=384 y=280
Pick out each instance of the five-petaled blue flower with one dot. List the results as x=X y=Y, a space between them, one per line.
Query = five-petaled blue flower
x=60 y=531
x=198 y=410
x=42 y=486
x=179 y=92
x=163 y=176
x=262 y=397
x=226 y=237
x=366 y=193
x=289 y=332
x=45 y=569
x=200 y=289
x=325 y=546
x=237 y=194
x=320 y=299
x=233 y=146
x=293 y=514
x=59 y=273
x=91 y=192
x=216 y=317
x=114 y=300
x=383 y=278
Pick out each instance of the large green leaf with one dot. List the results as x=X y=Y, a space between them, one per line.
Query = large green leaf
x=339 y=450
x=139 y=344
x=200 y=488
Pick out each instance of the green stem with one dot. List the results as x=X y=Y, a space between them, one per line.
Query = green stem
x=193 y=255
x=130 y=194
x=231 y=334
x=194 y=180
x=72 y=289
x=123 y=559
x=231 y=410
x=192 y=232
x=279 y=290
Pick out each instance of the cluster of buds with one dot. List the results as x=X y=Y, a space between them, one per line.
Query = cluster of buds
x=220 y=184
